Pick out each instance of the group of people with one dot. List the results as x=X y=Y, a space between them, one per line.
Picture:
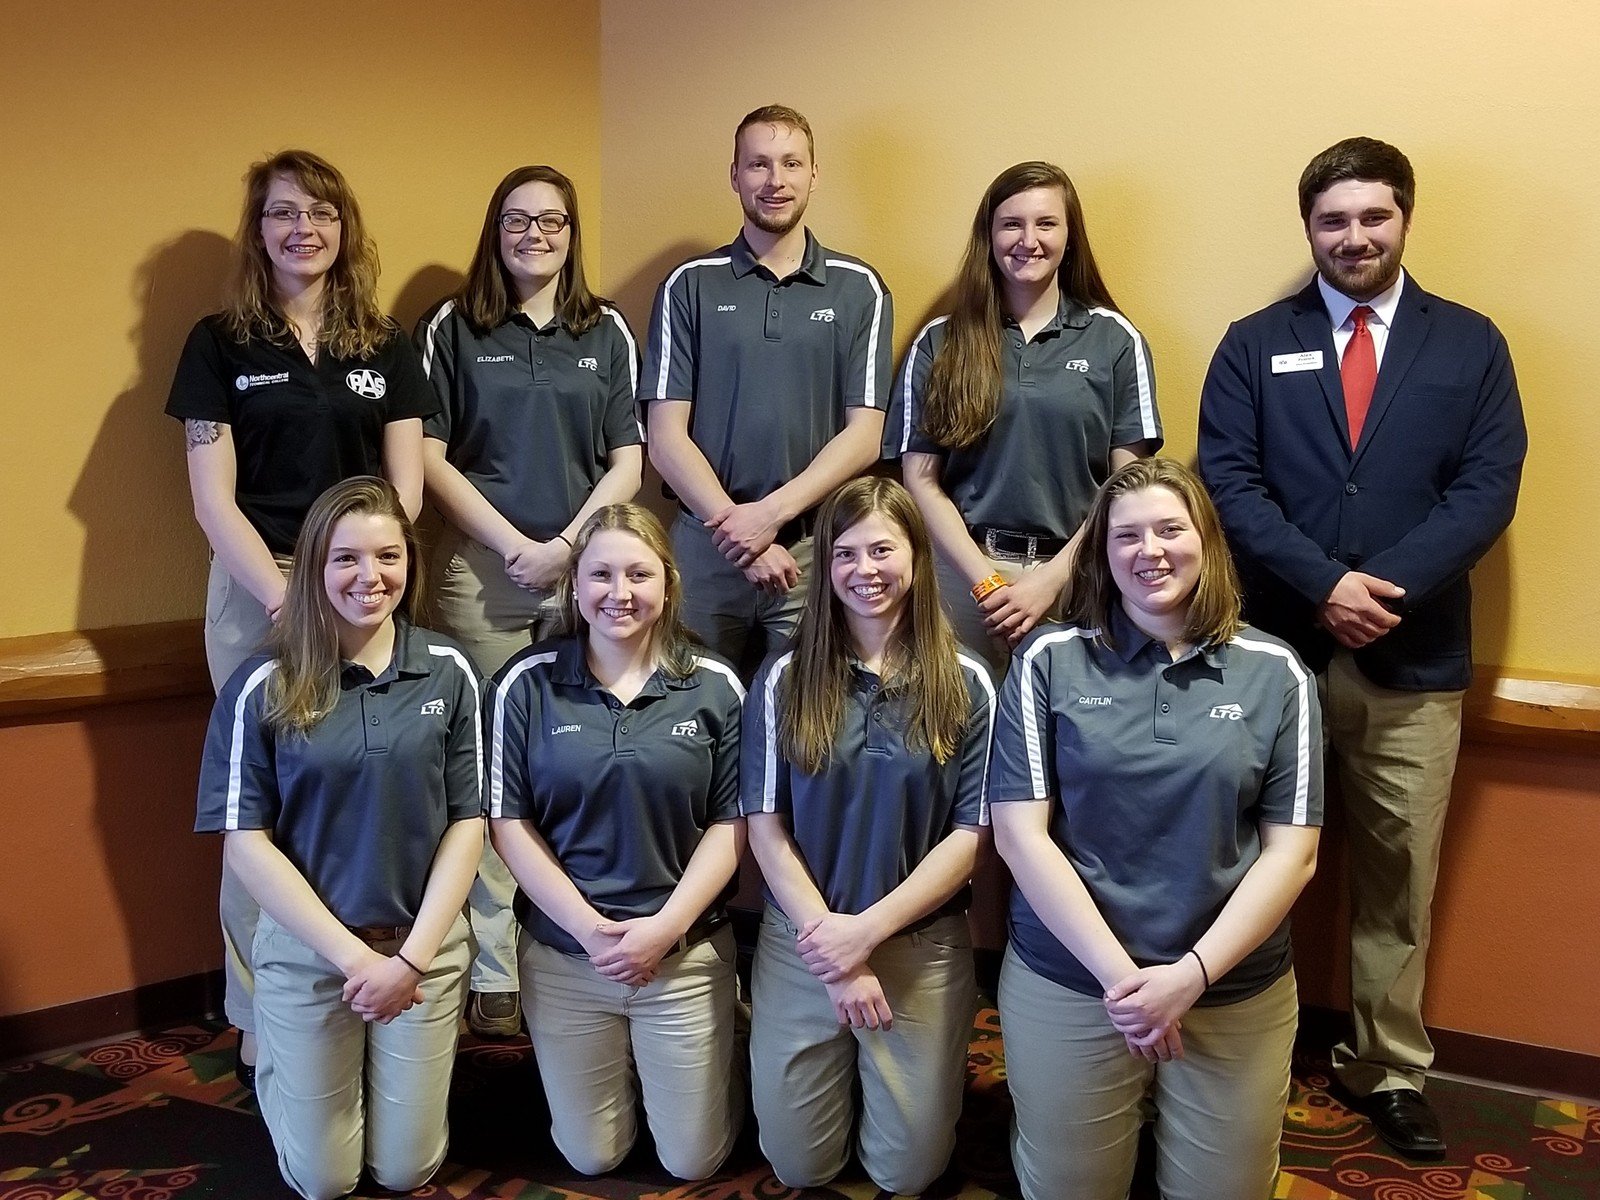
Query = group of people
x=1039 y=634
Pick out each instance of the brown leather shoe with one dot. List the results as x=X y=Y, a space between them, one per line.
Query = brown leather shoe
x=495 y=1015
x=1405 y=1120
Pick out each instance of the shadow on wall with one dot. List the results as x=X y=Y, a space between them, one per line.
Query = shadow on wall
x=139 y=533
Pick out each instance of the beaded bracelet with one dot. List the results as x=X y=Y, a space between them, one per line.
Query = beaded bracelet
x=985 y=586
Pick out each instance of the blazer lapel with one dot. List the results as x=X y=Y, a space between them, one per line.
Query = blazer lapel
x=1399 y=353
x=1312 y=329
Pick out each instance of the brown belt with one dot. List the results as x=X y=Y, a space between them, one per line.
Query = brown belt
x=373 y=934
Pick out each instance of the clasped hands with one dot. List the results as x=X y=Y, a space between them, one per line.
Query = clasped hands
x=1146 y=1006
x=381 y=988
x=1013 y=609
x=835 y=948
x=745 y=534
x=630 y=951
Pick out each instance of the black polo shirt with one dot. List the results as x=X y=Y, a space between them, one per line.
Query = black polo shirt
x=531 y=415
x=298 y=429
x=1083 y=385
x=769 y=364
x=359 y=804
x=1160 y=774
x=621 y=793
x=878 y=806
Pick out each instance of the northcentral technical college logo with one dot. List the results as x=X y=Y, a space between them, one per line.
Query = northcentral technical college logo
x=366 y=382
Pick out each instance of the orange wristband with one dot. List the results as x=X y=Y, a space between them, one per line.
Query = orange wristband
x=985 y=586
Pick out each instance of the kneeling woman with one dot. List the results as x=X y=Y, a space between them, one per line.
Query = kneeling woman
x=865 y=752
x=344 y=767
x=614 y=798
x=1157 y=788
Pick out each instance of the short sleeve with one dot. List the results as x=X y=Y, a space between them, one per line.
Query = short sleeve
x=1023 y=764
x=670 y=363
x=200 y=386
x=238 y=768
x=510 y=713
x=722 y=803
x=409 y=393
x=868 y=366
x=902 y=431
x=621 y=424
x=1291 y=788
x=463 y=751
x=435 y=342
x=1135 y=417
x=972 y=805
x=763 y=771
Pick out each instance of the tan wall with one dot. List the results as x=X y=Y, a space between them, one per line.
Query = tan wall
x=128 y=128
x=1185 y=128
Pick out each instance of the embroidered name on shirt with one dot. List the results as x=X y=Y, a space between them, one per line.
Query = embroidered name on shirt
x=822 y=314
x=555 y=729
x=592 y=364
x=1095 y=701
x=1228 y=712
x=727 y=308
x=245 y=382
x=484 y=358
x=433 y=708
x=686 y=728
x=1076 y=364
x=366 y=382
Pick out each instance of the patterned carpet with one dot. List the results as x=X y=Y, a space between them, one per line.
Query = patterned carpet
x=160 y=1118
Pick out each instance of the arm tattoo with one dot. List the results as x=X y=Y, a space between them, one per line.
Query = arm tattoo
x=200 y=433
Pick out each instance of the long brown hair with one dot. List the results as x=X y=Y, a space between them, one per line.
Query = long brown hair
x=488 y=298
x=353 y=326
x=305 y=641
x=963 y=390
x=670 y=639
x=923 y=658
x=1214 y=607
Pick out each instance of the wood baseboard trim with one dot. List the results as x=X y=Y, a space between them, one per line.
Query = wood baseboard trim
x=170 y=1002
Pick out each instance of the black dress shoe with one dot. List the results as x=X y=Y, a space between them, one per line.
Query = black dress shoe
x=1406 y=1120
x=244 y=1072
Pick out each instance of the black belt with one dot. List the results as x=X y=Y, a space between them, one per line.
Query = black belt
x=700 y=931
x=1008 y=543
x=788 y=533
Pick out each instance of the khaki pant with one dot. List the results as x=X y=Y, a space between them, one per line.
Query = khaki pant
x=967 y=618
x=734 y=617
x=1393 y=755
x=236 y=627
x=337 y=1091
x=599 y=1043
x=1079 y=1094
x=477 y=603
x=805 y=1067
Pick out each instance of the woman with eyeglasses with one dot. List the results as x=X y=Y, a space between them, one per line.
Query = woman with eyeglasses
x=1012 y=409
x=299 y=382
x=536 y=431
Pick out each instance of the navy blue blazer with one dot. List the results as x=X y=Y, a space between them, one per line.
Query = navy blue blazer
x=1431 y=486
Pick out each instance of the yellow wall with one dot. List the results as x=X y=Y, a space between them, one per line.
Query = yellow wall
x=1185 y=128
x=128 y=128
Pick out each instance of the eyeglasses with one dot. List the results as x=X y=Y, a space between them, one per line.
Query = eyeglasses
x=287 y=214
x=517 y=221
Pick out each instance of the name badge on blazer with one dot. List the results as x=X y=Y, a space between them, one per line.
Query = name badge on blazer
x=1306 y=360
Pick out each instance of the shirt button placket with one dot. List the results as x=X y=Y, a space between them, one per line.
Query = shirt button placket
x=774 y=320
x=1166 y=722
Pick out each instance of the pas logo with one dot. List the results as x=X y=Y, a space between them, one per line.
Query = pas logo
x=1095 y=701
x=488 y=358
x=555 y=729
x=366 y=382
x=433 y=708
x=1076 y=364
x=1228 y=712
x=245 y=382
x=686 y=728
x=727 y=308
x=822 y=314
x=592 y=364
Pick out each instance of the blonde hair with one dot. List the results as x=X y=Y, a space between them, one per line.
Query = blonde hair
x=670 y=639
x=353 y=326
x=923 y=658
x=1214 y=606
x=305 y=640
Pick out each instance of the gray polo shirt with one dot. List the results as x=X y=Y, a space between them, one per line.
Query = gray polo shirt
x=530 y=415
x=360 y=803
x=769 y=364
x=1083 y=385
x=1160 y=775
x=878 y=806
x=621 y=793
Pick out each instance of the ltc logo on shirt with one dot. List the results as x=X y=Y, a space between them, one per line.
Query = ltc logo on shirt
x=366 y=382
x=592 y=364
x=822 y=314
x=1228 y=712
x=687 y=728
x=433 y=708
x=1081 y=365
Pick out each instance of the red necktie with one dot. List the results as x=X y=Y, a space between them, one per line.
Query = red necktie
x=1358 y=371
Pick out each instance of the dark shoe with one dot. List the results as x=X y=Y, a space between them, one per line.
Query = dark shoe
x=244 y=1072
x=1405 y=1120
x=495 y=1014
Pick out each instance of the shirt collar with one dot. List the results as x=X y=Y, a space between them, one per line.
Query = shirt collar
x=812 y=267
x=571 y=669
x=1131 y=641
x=1069 y=314
x=1340 y=306
x=411 y=660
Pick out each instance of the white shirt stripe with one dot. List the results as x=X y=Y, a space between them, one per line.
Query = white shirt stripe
x=666 y=321
x=230 y=814
x=769 y=697
x=1031 y=735
x=1141 y=364
x=497 y=738
x=905 y=381
x=982 y=673
x=633 y=361
x=460 y=660
x=727 y=672
x=870 y=390
x=445 y=309
x=1303 y=733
